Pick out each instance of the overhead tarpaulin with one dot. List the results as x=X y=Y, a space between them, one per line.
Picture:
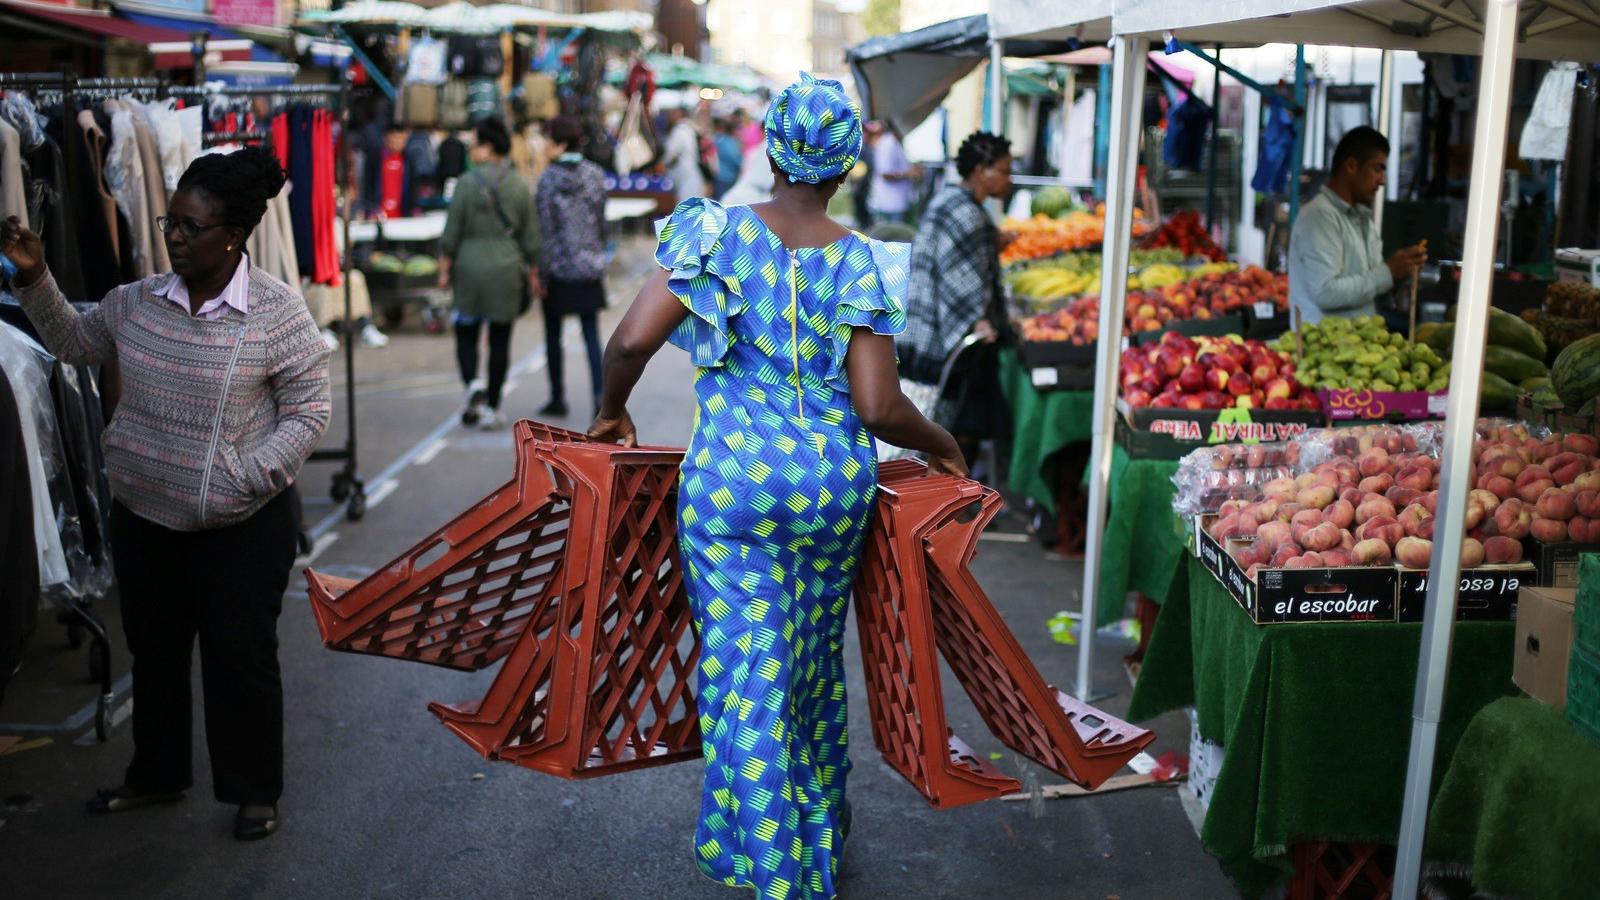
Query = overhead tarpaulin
x=1088 y=21
x=903 y=77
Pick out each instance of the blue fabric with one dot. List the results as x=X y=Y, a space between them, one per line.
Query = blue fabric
x=1187 y=125
x=300 y=181
x=777 y=491
x=813 y=130
x=214 y=31
x=1275 y=158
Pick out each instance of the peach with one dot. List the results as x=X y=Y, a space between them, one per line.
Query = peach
x=1550 y=531
x=1556 y=505
x=1371 y=552
x=1430 y=502
x=1418 y=478
x=1306 y=480
x=1347 y=541
x=1286 y=511
x=1315 y=497
x=1273 y=533
x=1585 y=444
x=1376 y=506
x=1383 y=528
x=1581 y=530
x=1352 y=495
x=1402 y=497
x=1471 y=553
x=1265 y=511
x=1568 y=473
x=1425 y=528
x=1280 y=489
x=1374 y=462
x=1340 y=513
x=1413 y=516
x=1500 y=486
x=1247 y=554
x=1588 y=481
x=1336 y=558
x=1489 y=499
x=1323 y=537
x=1508 y=465
x=1513 y=519
x=1245 y=526
x=1233 y=506
x=1501 y=549
x=1312 y=559
x=1377 y=484
x=1281 y=556
x=1588 y=503
x=1413 y=552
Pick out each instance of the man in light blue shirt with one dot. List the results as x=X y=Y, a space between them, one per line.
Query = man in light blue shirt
x=1336 y=264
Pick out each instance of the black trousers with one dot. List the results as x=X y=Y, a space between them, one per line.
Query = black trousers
x=225 y=586
x=552 y=351
x=468 y=333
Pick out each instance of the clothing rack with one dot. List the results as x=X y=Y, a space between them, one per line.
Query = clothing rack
x=78 y=617
x=347 y=488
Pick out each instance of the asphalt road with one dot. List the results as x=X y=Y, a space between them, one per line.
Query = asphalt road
x=382 y=801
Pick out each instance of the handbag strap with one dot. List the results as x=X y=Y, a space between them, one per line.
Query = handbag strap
x=492 y=193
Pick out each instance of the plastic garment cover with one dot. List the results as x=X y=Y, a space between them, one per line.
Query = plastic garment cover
x=27 y=367
x=1544 y=135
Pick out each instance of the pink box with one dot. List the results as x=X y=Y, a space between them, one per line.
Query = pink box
x=1344 y=404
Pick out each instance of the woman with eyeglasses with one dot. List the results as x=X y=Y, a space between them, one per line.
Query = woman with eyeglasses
x=224 y=396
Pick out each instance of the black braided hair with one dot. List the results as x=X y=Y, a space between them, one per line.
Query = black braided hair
x=242 y=182
x=981 y=148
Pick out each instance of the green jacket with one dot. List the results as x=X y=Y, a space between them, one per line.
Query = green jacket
x=488 y=263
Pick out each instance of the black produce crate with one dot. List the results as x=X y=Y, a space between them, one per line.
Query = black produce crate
x=1043 y=354
x=1265 y=321
x=1150 y=433
x=1557 y=563
x=1353 y=594
x=1486 y=594
x=1213 y=327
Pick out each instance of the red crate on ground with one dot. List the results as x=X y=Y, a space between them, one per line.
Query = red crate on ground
x=1336 y=870
x=569 y=574
x=916 y=593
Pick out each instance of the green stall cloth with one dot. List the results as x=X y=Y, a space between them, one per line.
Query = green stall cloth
x=1144 y=542
x=1042 y=424
x=1314 y=719
x=1519 y=806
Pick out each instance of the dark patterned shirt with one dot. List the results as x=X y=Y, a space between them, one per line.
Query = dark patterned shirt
x=955 y=267
x=571 y=201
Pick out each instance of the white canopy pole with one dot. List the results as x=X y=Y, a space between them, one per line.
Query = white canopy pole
x=1127 y=92
x=1385 y=127
x=1472 y=317
x=997 y=88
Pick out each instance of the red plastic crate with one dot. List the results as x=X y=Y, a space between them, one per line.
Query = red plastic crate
x=1335 y=870
x=569 y=573
x=916 y=593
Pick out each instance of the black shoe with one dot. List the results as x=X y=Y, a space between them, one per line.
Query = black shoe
x=554 y=408
x=123 y=799
x=476 y=399
x=254 y=828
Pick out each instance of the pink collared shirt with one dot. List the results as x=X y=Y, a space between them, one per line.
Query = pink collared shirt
x=236 y=294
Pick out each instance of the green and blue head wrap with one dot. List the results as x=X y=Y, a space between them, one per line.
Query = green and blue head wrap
x=813 y=130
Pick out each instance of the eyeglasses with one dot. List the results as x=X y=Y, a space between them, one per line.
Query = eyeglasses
x=189 y=227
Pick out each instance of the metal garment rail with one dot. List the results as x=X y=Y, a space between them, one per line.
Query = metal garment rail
x=348 y=488
x=78 y=616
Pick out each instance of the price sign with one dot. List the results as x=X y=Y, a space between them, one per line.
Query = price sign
x=1045 y=377
x=1265 y=309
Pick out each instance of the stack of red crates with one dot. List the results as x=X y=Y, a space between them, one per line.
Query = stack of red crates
x=569 y=573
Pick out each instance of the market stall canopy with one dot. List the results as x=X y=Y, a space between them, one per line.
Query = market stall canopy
x=680 y=71
x=463 y=17
x=221 y=39
x=903 y=77
x=1056 y=20
x=1546 y=29
x=169 y=47
x=1101 y=56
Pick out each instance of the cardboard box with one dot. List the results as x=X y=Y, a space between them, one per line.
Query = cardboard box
x=1386 y=406
x=1350 y=594
x=1544 y=643
x=1486 y=594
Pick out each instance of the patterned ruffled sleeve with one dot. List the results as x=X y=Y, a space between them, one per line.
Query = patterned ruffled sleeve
x=872 y=297
x=701 y=278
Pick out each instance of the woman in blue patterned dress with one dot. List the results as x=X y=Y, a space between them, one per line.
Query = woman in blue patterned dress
x=790 y=319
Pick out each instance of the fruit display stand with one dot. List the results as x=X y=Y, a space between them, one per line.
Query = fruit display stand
x=1516 y=800
x=1314 y=719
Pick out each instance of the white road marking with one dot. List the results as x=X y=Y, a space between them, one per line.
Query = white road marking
x=433 y=451
x=381 y=492
x=77 y=720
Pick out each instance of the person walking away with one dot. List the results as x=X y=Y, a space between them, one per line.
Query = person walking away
x=488 y=260
x=224 y=396
x=730 y=156
x=894 y=180
x=789 y=318
x=1336 y=264
x=681 y=155
x=571 y=202
x=955 y=292
x=861 y=177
